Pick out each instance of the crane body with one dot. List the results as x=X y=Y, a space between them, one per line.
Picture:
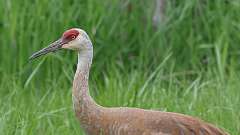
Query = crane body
x=99 y=120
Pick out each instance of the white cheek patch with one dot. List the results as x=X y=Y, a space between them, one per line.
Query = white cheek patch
x=72 y=44
x=65 y=46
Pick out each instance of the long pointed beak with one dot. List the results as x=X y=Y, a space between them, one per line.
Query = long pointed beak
x=57 y=45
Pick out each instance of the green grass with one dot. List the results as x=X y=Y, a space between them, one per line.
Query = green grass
x=189 y=65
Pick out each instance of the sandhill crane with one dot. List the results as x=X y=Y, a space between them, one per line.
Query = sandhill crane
x=98 y=120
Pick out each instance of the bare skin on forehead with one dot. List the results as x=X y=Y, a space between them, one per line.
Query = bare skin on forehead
x=69 y=33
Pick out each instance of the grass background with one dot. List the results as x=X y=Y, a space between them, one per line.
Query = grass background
x=190 y=64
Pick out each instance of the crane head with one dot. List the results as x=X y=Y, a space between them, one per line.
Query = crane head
x=73 y=39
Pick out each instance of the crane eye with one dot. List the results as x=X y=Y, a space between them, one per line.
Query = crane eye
x=73 y=37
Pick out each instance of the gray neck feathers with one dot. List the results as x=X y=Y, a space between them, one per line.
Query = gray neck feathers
x=82 y=101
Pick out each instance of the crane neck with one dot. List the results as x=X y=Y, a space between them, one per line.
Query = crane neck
x=83 y=103
x=85 y=60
